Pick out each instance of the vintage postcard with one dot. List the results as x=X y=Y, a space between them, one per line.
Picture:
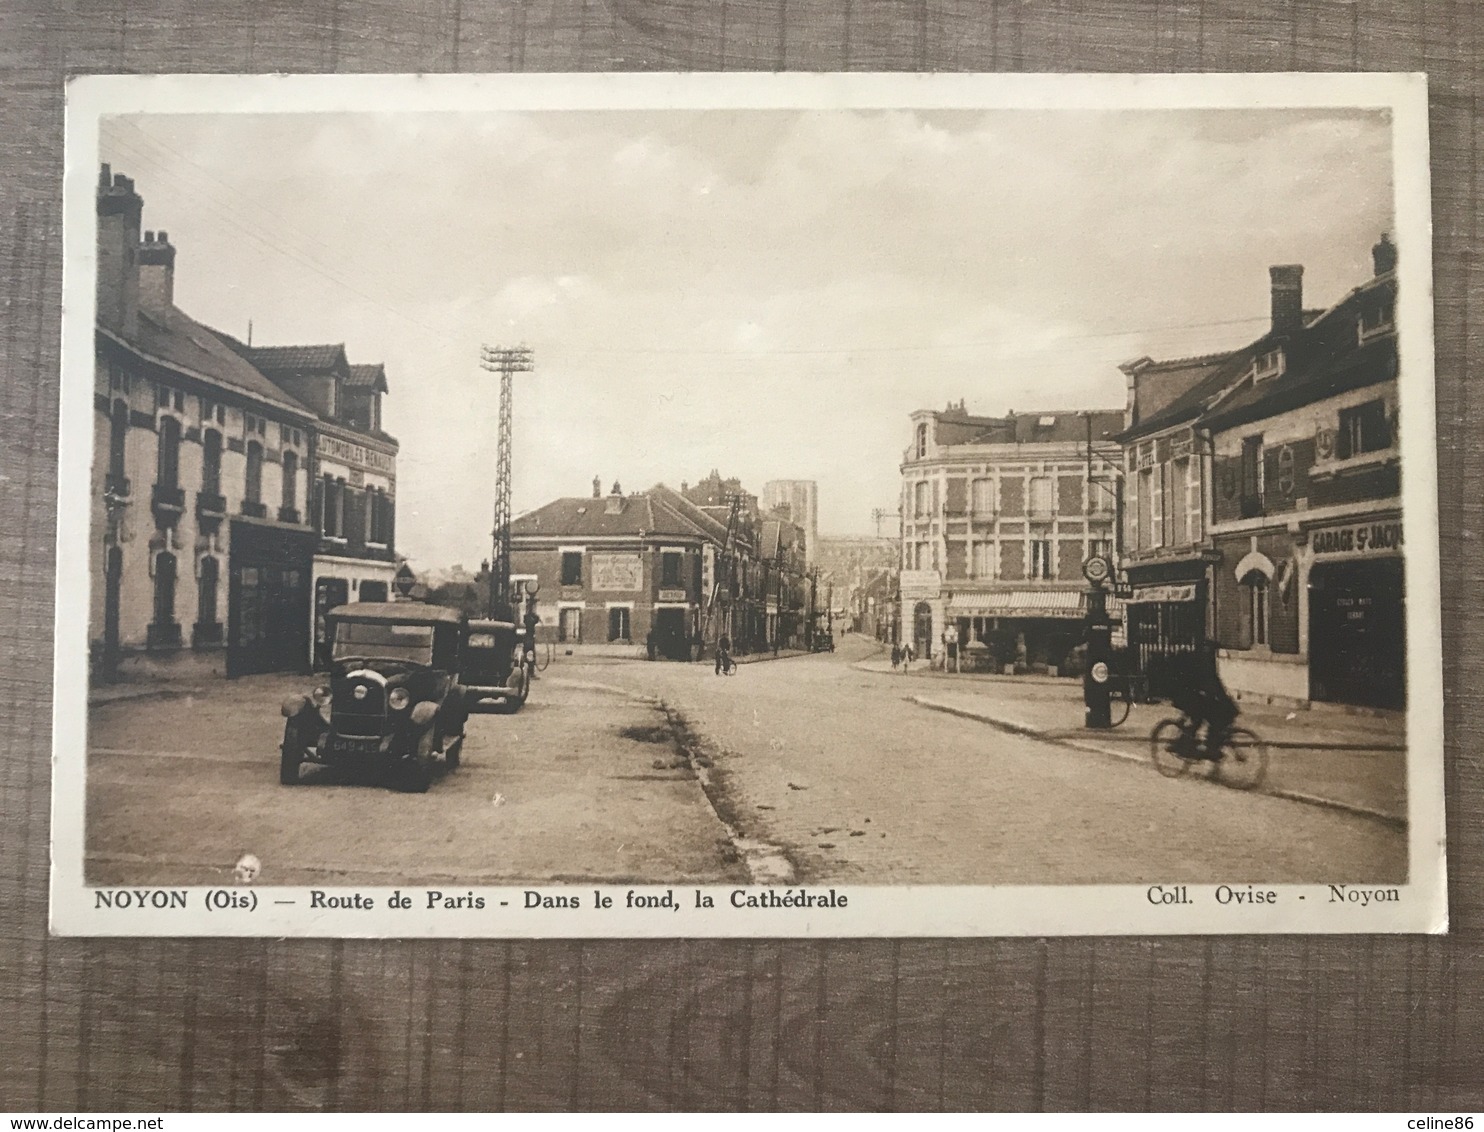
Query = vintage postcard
x=747 y=505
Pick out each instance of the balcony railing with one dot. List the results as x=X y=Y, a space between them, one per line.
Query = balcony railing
x=168 y=498
x=163 y=635
x=206 y=633
x=254 y=510
x=211 y=504
x=117 y=486
x=289 y=515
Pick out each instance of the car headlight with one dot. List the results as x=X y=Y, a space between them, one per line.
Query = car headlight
x=321 y=695
x=399 y=699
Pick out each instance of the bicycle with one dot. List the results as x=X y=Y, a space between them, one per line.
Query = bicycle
x=1124 y=691
x=1240 y=760
x=728 y=665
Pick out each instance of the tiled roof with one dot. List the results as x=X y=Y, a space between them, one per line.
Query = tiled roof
x=370 y=375
x=1052 y=427
x=1325 y=358
x=169 y=335
x=580 y=517
x=1212 y=373
x=296 y=359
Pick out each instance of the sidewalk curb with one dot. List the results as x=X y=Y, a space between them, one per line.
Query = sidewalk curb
x=978 y=677
x=1078 y=743
x=143 y=693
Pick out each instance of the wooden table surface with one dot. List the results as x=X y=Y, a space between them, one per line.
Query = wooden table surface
x=1284 y=1023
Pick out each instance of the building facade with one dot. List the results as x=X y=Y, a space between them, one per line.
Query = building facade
x=1310 y=600
x=200 y=461
x=998 y=515
x=352 y=502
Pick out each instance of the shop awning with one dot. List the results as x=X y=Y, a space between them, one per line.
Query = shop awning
x=1019 y=603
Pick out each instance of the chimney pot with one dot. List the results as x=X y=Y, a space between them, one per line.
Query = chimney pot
x=597 y=487
x=105 y=176
x=1383 y=255
x=164 y=236
x=1288 y=297
x=149 y=237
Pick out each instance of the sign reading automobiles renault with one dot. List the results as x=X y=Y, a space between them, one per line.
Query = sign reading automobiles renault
x=618 y=573
x=1359 y=538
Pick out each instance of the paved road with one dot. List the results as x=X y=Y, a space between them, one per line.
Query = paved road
x=583 y=784
x=855 y=785
x=828 y=768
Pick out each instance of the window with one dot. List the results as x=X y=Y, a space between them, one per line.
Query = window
x=164 y=588
x=924 y=557
x=1377 y=320
x=290 y=480
x=985 y=556
x=1100 y=548
x=1041 y=566
x=1145 y=507
x=571 y=567
x=1100 y=497
x=618 y=623
x=983 y=497
x=168 y=471
x=921 y=497
x=1364 y=428
x=206 y=587
x=118 y=433
x=1254 y=609
x=1268 y=365
x=1252 y=484
x=211 y=462
x=569 y=625
x=164 y=397
x=332 y=510
x=670 y=563
x=1179 y=503
x=1042 y=498
x=379 y=523
x=922 y=440
x=253 y=492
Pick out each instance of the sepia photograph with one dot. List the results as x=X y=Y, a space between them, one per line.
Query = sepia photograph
x=852 y=505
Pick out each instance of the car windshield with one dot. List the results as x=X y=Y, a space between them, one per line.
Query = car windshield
x=384 y=641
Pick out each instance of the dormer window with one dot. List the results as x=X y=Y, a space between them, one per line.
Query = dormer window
x=922 y=441
x=1268 y=365
x=1376 y=321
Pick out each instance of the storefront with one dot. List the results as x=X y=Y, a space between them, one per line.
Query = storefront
x=1165 y=618
x=1357 y=614
x=1029 y=630
x=268 y=603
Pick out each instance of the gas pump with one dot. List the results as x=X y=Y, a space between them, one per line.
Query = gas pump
x=1096 y=678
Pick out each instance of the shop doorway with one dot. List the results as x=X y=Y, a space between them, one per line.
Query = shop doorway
x=670 y=639
x=1358 y=633
x=1162 y=636
x=922 y=630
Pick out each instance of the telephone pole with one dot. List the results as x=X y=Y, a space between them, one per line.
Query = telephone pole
x=504 y=360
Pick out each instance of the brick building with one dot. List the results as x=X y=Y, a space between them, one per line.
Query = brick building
x=998 y=515
x=616 y=571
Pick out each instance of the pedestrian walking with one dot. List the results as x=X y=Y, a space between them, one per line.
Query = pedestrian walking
x=907 y=658
x=896 y=657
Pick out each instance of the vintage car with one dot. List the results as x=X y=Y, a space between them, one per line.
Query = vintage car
x=393 y=702
x=496 y=672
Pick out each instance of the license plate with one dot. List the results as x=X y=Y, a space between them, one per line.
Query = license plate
x=354 y=746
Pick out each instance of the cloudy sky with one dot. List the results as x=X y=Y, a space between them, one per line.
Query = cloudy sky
x=769 y=293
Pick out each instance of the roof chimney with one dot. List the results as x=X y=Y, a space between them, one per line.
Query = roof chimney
x=1288 y=297
x=616 y=489
x=597 y=487
x=156 y=270
x=119 y=209
x=1383 y=255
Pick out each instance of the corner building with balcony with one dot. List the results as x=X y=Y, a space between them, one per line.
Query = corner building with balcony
x=201 y=554
x=998 y=515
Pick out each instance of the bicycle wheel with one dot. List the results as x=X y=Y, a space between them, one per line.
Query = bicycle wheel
x=1161 y=739
x=1244 y=759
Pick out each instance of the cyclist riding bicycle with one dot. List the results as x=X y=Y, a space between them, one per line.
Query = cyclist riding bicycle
x=1197 y=692
x=723 y=654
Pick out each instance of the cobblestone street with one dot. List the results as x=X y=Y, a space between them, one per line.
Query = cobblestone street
x=820 y=770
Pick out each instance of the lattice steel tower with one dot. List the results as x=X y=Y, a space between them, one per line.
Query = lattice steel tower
x=505 y=361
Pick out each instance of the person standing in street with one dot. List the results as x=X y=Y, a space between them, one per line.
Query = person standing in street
x=896 y=657
x=723 y=653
